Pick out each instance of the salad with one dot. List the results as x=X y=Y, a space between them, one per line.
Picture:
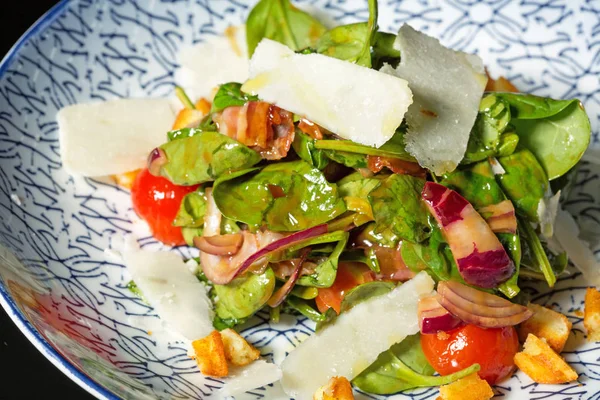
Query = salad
x=380 y=185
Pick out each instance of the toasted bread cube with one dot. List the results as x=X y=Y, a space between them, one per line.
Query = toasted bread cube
x=125 y=180
x=188 y=118
x=470 y=387
x=547 y=324
x=338 y=388
x=203 y=105
x=591 y=314
x=210 y=355
x=237 y=350
x=542 y=364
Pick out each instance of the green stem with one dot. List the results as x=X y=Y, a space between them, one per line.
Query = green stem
x=372 y=261
x=419 y=380
x=539 y=253
x=183 y=98
x=304 y=309
x=351 y=147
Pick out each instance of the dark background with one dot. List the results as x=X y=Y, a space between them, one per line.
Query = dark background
x=26 y=373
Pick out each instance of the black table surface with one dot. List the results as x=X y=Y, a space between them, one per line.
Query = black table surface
x=26 y=373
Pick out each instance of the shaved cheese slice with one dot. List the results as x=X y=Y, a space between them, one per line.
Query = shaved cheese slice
x=257 y=374
x=566 y=233
x=218 y=60
x=355 y=339
x=354 y=102
x=178 y=297
x=112 y=137
x=447 y=86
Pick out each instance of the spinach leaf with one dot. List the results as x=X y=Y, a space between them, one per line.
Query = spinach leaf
x=512 y=245
x=305 y=292
x=204 y=157
x=403 y=367
x=279 y=20
x=189 y=234
x=383 y=51
x=397 y=207
x=355 y=194
x=524 y=182
x=393 y=148
x=303 y=197
x=230 y=94
x=492 y=120
x=536 y=255
x=557 y=131
x=304 y=308
x=192 y=209
x=351 y=160
x=430 y=256
x=325 y=272
x=354 y=297
x=386 y=238
x=206 y=125
x=304 y=146
x=244 y=296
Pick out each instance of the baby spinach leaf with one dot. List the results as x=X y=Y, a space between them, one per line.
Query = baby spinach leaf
x=304 y=308
x=244 y=296
x=386 y=238
x=354 y=297
x=279 y=20
x=428 y=256
x=524 y=182
x=230 y=94
x=383 y=51
x=536 y=256
x=192 y=209
x=512 y=245
x=393 y=148
x=189 y=234
x=304 y=146
x=355 y=194
x=325 y=272
x=204 y=157
x=305 y=292
x=403 y=367
x=397 y=207
x=206 y=125
x=557 y=131
x=351 y=42
x=303 y=197
x=351 y=160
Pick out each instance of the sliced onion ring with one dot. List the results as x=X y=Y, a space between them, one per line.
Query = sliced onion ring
x=156 y=159
x=279 y=296
x=480 y=308
x=220 y=245
x=282 y=244
x=434 y=318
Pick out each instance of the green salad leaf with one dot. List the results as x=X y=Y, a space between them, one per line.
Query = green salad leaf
x=434 y=256
x=536 y=258
x=243 y=296
x=404 y=367
x=351 y=42
x=351 y=160
x=557 y=131
x=192 y=209
x=397 y=208
x=304 y=197
x=393 y=148
x=304 y=146
x=326 y=271
x=279 y=20
x=205 y=157
x=303 y=307
x=229 y=95
x=524 y=182
x=383 y=51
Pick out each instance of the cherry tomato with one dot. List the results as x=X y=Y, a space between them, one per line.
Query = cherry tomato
x=493 y=349
x=349 y=275
x=157 y=200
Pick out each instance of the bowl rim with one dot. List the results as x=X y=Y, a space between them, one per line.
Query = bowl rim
x=8 y=304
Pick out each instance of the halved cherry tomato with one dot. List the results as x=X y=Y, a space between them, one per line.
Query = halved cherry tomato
x=349 y=275
x=493 y=349
x=157 y=200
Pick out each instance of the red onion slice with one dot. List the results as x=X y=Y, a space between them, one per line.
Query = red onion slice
x=479 y=308
x=156 y=159
x=279 y=296
x=220 y=245
x=283 y=244
x=434 y=318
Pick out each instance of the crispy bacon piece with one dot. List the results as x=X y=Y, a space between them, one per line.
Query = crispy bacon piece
x=264 y=127
x=397 y=166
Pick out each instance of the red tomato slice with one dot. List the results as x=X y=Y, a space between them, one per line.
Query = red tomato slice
x=157 y=200
x=349 y=275
x=493 y=349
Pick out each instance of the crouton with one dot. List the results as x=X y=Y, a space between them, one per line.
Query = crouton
x=338 y=388
x=470 y=387
x=591 y=314
x=203 y=105
x=125 y=180
x=500 y=85
x=188 y=118
x=210 y=355
x=547 y=324
x=237 y=350
x=542 y=364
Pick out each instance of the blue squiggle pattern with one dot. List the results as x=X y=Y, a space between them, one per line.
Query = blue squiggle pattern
x=98 y=50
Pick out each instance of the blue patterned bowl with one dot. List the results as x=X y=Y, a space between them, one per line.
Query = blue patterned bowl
x=73 y=304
